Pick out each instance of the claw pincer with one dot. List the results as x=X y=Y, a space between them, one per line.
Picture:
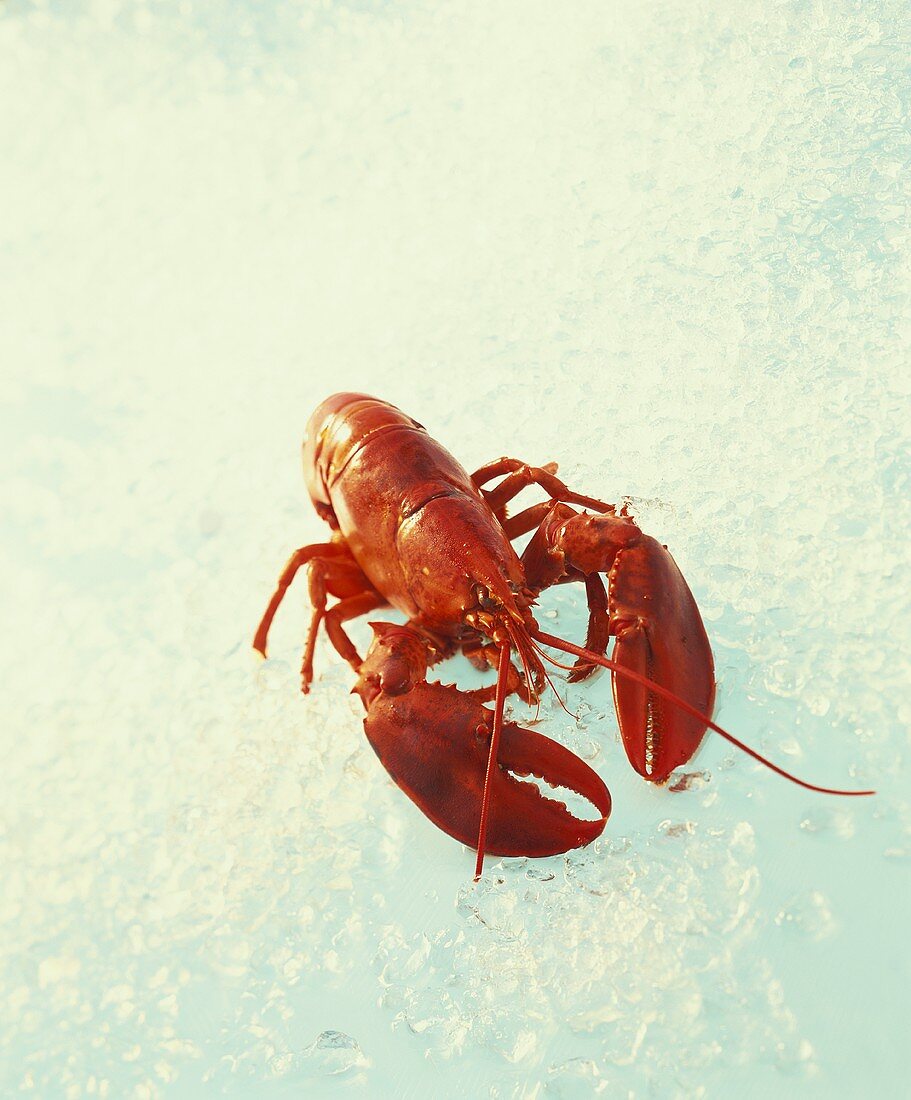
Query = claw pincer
x=659 y=635
x=650 y=611
x=434 y=742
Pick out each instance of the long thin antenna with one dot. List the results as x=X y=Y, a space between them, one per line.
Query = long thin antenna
x=502 y=671
x=631 y=674
x=522 y=650
x=522 y=644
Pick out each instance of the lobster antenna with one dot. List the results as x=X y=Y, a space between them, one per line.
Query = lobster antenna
x=502 y=671
x=522 y=643
x=605 y=662
x=522 y=650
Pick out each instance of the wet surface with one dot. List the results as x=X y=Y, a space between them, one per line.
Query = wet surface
x=664 y=250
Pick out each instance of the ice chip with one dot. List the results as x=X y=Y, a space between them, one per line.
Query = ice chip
x=333 y=1052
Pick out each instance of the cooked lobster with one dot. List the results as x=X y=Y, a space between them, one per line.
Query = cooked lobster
x=412 y=530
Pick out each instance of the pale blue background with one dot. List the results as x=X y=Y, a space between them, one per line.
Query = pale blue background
x=666 y=245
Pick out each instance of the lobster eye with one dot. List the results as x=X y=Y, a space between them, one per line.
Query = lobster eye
x=485 y=601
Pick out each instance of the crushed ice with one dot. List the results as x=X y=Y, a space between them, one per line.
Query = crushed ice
x=664 y=248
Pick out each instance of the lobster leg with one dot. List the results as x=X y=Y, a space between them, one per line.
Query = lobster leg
x=343 y=612
x=654 y=618
x=435 y=742
x=509 y=487
x=298 y=559
x=598 y=634
x=331 y=570
x=336 y=577
x=523 y=522
x=521 y=475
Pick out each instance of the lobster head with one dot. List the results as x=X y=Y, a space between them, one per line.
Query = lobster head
x=477 y=579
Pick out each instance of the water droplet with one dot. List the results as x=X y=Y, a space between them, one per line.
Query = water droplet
x=829 y=821
x=809 y=914
x=689 y=781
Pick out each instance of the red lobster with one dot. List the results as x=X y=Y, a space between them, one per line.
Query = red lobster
x=410 y=528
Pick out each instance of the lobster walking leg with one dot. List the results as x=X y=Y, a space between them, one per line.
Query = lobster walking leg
x=523 y=522
x=521 y=476
x=330 y=570
x=297 y=560
x=598 y=634
x=338 y=577
x=345 y=610
x=315 y=552
x=509 y=487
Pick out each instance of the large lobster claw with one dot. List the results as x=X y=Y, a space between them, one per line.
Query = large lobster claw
x=659 y=635
x=662 y=667
x=659 y=631
x=434 y=742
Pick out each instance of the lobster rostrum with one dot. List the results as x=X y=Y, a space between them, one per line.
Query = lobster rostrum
x=412 y=530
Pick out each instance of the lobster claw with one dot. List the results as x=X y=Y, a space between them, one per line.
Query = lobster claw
x=659 y=635
x=434 y=741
